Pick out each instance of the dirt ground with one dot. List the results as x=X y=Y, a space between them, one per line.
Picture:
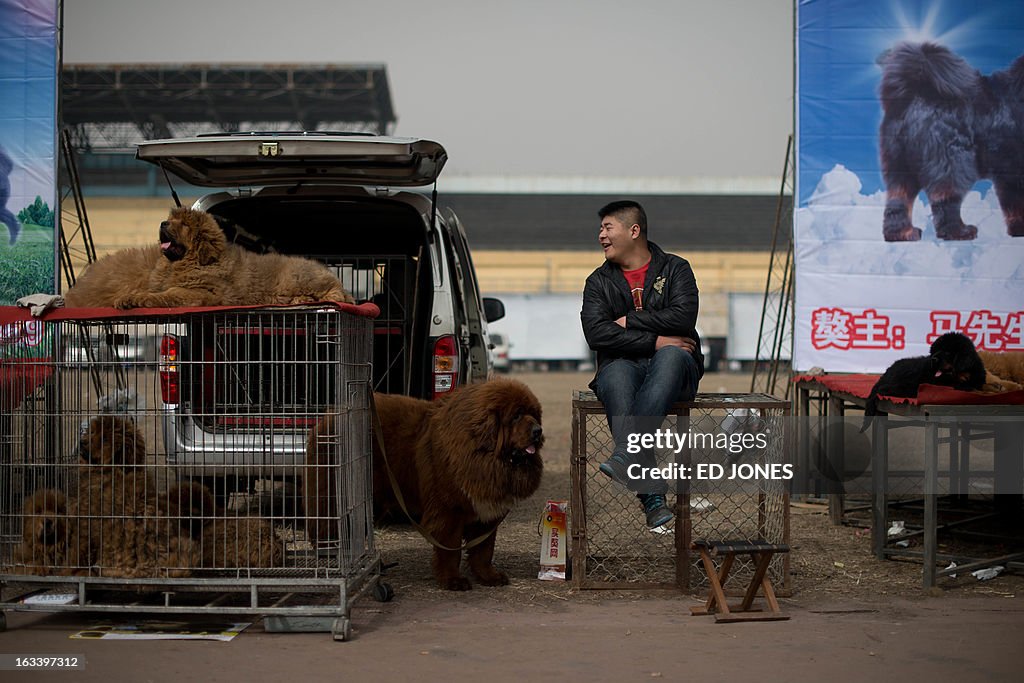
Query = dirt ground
x=852 y=617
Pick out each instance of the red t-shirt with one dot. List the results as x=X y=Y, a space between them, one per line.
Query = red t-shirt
x=635 y=279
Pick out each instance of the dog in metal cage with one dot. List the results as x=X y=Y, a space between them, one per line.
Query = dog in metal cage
x=192 y=505
x=122 y=521
x=225 y=540
x=44 y=535
x=241 y=542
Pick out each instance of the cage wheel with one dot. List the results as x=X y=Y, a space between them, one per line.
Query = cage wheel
x=342 y=629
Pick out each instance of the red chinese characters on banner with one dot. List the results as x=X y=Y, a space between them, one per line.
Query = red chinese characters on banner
x=841 y=329
x=988 y=331
x=830 y=327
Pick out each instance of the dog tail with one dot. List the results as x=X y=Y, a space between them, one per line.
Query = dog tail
x=926 y=70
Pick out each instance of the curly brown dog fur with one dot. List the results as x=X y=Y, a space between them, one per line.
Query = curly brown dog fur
x=106 y=280
x=1003 y=371
x=192 y=505
x=200 y=268
x=44 y=536
x=226 y=541
x=460 y=462
x=319 y=481
x=240 y=543
x=123 y=525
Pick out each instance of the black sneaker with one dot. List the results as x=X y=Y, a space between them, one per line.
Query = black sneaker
x=617 y=468
x=657 y=511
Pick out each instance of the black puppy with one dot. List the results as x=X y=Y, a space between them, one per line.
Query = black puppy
x=960 y=366
x=952 y=362
x=901 y=379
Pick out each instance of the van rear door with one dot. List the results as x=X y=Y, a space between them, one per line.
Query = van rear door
x=254 y=159
x=480 y=363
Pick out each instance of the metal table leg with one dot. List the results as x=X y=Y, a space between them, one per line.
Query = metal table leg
x=835 y=441
x=931 y=491
x=880 y=484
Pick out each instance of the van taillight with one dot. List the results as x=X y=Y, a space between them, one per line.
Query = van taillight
x=169 y=368
x=446 y=364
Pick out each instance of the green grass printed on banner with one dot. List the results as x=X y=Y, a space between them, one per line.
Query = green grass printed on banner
x=27 y=267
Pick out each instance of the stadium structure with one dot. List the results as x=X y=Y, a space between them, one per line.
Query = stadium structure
x=539 y=240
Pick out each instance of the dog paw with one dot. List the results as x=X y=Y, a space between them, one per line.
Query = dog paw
x=957 y=232
x=494 y=577
x=456 y=583
x=1015 y=228
x=906 y=233
x=125 y=303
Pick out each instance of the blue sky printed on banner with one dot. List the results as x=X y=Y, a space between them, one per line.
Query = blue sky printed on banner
x=837 y=80
x=28 y=71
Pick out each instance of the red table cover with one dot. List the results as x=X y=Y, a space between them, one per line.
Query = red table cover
x=927 y=394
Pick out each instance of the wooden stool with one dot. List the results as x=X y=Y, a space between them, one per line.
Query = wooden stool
x=761 y=552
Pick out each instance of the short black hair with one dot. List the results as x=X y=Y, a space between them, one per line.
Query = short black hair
x=627 y=211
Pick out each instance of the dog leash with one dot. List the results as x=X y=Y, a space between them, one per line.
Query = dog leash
x=378 y=433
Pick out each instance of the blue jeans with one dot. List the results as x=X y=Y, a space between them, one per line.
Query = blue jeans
x=637 y=394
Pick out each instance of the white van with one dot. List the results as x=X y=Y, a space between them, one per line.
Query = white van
x=346 y=200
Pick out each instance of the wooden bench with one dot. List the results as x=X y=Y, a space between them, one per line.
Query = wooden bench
x=761 y=552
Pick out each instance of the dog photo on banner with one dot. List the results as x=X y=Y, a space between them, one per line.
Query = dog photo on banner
x=909 y=215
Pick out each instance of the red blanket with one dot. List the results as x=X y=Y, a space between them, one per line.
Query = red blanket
x=11 y=314
x=927 y=394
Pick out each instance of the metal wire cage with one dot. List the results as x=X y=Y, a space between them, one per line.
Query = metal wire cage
x=611 y=545
x=146 y=451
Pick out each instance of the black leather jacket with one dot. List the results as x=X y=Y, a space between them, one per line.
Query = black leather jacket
x=670 y=309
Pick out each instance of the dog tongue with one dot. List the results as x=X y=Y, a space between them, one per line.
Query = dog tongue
x=531 y=449
x=165 y=245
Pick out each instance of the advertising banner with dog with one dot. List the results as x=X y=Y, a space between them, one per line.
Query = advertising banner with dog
x=28 y=148
x=909 y=219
